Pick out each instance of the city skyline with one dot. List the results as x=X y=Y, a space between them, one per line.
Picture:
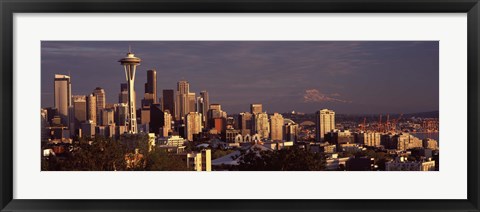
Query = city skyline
x=351 y=77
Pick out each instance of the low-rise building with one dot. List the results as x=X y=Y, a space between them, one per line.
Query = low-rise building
x=404 y=141
x=173 y=140
x=230 y=135
x=333 y=164
x=329 y=148
x=360 y=164
x=200 y=161
x=277 y=145
x=402 y=164
x=339 y=137
x=370 y=139
x=351 y=147
x=429 y=143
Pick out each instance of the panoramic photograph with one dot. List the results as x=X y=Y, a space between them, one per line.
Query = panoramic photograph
x=239 y=106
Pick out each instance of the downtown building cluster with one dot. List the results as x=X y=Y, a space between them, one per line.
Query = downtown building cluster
x=179 y=116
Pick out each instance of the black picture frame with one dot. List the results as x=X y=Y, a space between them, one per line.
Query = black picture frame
x=9 y=7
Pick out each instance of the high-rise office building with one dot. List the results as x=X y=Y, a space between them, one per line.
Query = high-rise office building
x=124 y=87
x=245 y=123
x=261 y=125
x=290 y=131
x=63 y=97
x=199 y=105
x=150 y=95
x=213 y=113
x=185 y=100
x=230 y=123
x=167 y=128
x=92 y=108
x=145 y=115
x=121 y=110
x=80 y=110
x=215 y=107
x=100 y=95
x=276 y=127
x=183 y=86
x=205 y=105
x=151 y=85
x=219 y=124
x=168 y=101
x=255 y=108
x=191 y=102
x=108 y=117
x=123 y=96
x=130 y=63
x=193 y=125
x=88 y=128
x=157 y=119
x=325 y=122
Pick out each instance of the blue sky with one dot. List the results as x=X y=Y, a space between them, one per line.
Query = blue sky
x=354 y=77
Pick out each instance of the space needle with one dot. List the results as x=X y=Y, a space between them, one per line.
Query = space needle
x=130 y=63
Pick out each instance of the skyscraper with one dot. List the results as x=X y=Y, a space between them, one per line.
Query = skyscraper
x=199 y=105
x=151 y=85
x=193 y=125
x=100 y=95
x=169 y=102
x=80 y=110
x=123 y=96
x=290 y=131
x=206 y=104
x=157 y=119
x=121 y=110
x=130 y=63
x=150 y=96
x=63 y=96
x=245 y=123
x=167 y=120
x=215 y=112
x=92 y=108
x=108 y=117
x=261 y=124
x=191 y=102
x=276 y=127
x=185 y=100
x=325 y=122
x=255 y=108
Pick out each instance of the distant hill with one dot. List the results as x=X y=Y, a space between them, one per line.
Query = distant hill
x=299 y=118
x=430 y=114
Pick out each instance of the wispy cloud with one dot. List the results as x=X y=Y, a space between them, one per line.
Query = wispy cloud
x=314 y=95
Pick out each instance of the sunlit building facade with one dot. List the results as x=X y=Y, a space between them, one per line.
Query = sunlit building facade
x=325 y=122
x=62 y=97
x=193 y=125
x=276 y=127
x=262 y=125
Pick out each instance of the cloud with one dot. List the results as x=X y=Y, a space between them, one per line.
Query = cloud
x=314 y=95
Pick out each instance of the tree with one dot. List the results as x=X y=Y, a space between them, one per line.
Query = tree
x=286 y=159
x=159 y=160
